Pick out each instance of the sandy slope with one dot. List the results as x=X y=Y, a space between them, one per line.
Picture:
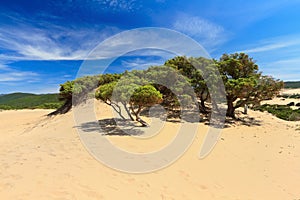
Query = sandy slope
x=43 y=158
x=291 y=91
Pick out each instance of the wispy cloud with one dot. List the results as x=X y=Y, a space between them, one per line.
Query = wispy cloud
x=139 y=63
x=294 y=63
x=119 y=5
x=54 y=43
x=8 y=74
x=16 y=76
x=203 y=30
x=146 y=42
x=277 y=56
x=274 y=44
x=161 y=42
x=283 y=67
x=4 y=67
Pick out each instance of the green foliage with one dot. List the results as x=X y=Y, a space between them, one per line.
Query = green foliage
x=83 y=87
x=108 y=78
x=66 y=90
x=131 y=89
x=29 y=101
x=5 y=107
x=104 y=92
x=192 y=69
x=174 y=86
x=281 y=111
x=146 y=95
x=180 y=82
x=243 y=83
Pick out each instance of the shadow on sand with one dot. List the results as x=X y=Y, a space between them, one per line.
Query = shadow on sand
x=126 y=127
x=112 y=126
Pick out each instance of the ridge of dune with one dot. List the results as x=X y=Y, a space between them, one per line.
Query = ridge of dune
x=43 y=158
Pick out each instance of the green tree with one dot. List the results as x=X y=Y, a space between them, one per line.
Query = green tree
x=196 y=70
x=81 y=89
x=144 y=96
x=243 y=82
x=132 y=92
x=175 y=88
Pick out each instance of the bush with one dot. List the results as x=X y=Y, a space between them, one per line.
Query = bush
x=49 y=106
x=281 y=111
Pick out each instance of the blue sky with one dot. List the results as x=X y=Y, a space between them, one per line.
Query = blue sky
x=43 y=43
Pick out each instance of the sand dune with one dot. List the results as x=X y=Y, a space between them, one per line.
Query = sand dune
x=290 y=91
x=43 y=158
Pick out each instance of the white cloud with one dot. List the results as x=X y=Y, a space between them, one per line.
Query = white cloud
x=278 y=56
x=118 y=5
x=158 y=42
x=281 y=67
x=274 y=44
x=3 y=67
x=285 y=69
x=12 y=76
x=203 y=30
x=7 y=74
x=53 y=43
x=289 y=62
x=140 y=63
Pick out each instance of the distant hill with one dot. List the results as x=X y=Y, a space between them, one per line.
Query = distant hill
x=292 y=84
x=29 y=101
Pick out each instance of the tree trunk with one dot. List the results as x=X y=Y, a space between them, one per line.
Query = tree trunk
x=115 y=106
x=230 y=109
x=63 y=109
x=202 y=107
x=128 y=112
x=138 y=119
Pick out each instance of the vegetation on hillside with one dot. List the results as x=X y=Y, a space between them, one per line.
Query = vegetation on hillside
x=292 y=84
x=29 y=101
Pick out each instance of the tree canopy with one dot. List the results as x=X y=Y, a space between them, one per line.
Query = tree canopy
x=180 y=82
x=244 y=84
